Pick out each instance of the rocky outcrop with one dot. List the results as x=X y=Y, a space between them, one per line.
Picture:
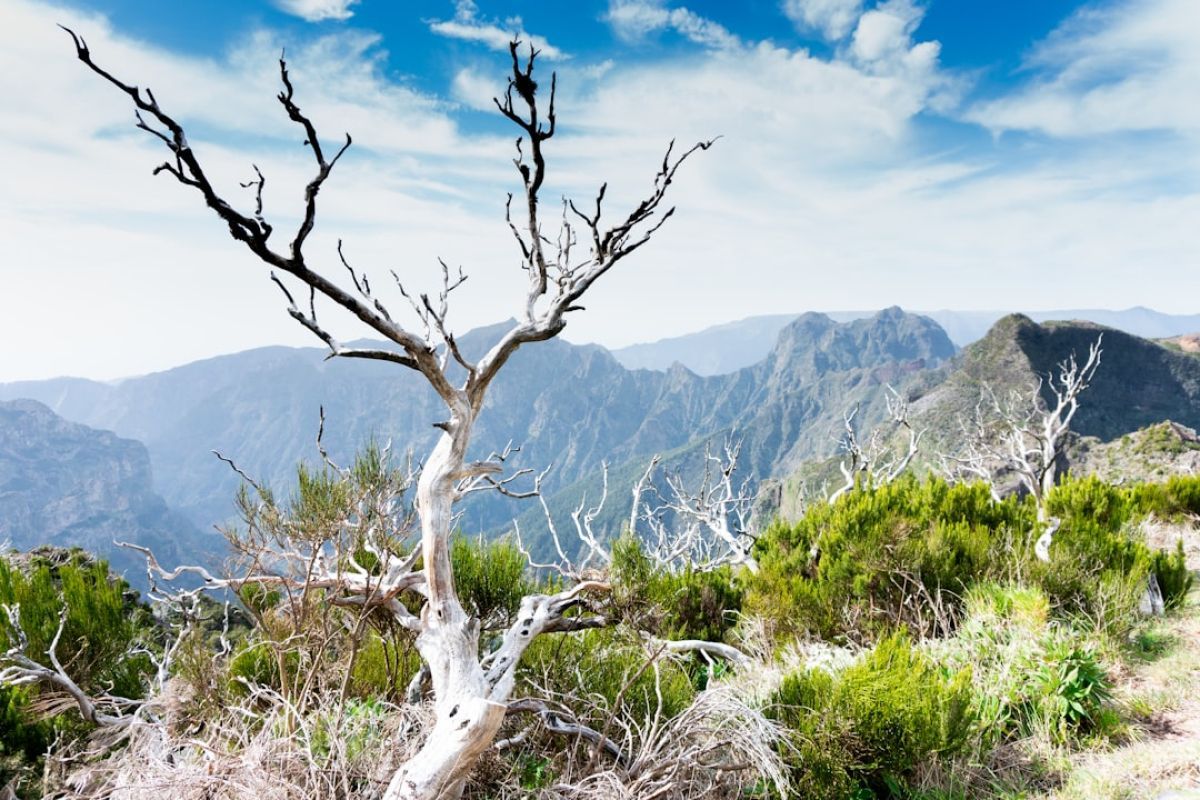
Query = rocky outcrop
x=66 y=485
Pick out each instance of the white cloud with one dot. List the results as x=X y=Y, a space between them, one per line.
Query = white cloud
x=885 y=32
x=142 y=271
x=822 y=194
x=833 y=18
x=1130 y=66
x=884 y=44
x=635 y=19
x=475 y=89
x=318 y=10
x=467 y=26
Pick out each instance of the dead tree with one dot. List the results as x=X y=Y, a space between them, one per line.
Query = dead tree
x=1023 y=436
x=875 y=460
x=471 y=690
x=701 y=528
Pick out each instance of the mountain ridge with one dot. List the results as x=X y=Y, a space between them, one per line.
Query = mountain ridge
x=572 y=406
x=729 y=346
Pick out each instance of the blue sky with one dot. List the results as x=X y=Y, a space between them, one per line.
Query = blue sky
x=962 y=154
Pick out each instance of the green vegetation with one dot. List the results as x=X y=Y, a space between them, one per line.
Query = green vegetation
x=103 y=622
x=913 y=647
x=674 y=605
x=864 y=730
x=904 y=555
x=853 y=568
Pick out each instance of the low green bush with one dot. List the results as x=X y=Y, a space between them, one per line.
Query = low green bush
x=104 y=621
x=258 y=664
x=876 y=558
x=1073 y=688
x=1099 y=565
x=608 y=671
x=491 y=578
x=1178 y=496
x=1033 y=675
x=905 y=553
x=674 y=605
x=1174 y=577
x=384 y=666
x=866 y=728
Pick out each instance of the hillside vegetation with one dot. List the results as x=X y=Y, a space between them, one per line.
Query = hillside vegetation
x=902 y=642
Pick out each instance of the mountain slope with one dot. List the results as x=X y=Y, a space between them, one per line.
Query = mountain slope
x=1139 y=382
x=786 y=409
x=65 y=484
x=566 y=405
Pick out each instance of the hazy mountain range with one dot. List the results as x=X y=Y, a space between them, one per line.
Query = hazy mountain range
x=569 y=406
x=566 y=405
x=733 y=345
x=1139 y=383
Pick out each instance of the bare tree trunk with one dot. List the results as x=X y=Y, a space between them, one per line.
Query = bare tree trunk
x=468 y=719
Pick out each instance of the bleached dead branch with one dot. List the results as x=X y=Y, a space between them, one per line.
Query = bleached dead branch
x=874 y=460
x=699 y=528
x=1021 y=435
x=469 y=698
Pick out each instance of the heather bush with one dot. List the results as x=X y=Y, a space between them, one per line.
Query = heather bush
x=688 y=604
x=864 y=730
x=900 y=554
x=103 y=622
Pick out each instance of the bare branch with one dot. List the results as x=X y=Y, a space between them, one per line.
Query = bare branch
x=1023 y=436
x=21 y=670
x=701 y=528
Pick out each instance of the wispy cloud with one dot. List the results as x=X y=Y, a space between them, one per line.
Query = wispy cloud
x=832 y=18
x=635 y=19
x=318 y=10
x=824 y=193
x=1130 y=66
x=468 y=26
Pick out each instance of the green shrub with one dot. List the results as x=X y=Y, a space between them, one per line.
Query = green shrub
x=1073 y=688
x=881 y=554
x=104 y=621
x=679 y=605
x=258 y=663
x=1177 y=497
x=869 y=726
x=1174 y=577
x=384 y=666
x=491 y=578
x=1033 y=675
x=904 y=554
x=1098 y=530
x=1099 y=566
x=1106 y=506
x=350 y=731
x=611 y=671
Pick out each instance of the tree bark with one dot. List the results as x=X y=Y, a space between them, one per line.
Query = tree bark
x=467 y=718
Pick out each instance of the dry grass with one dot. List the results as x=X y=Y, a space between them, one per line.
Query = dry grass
x=714 y=749
x=262 y=749
x=266 y=749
